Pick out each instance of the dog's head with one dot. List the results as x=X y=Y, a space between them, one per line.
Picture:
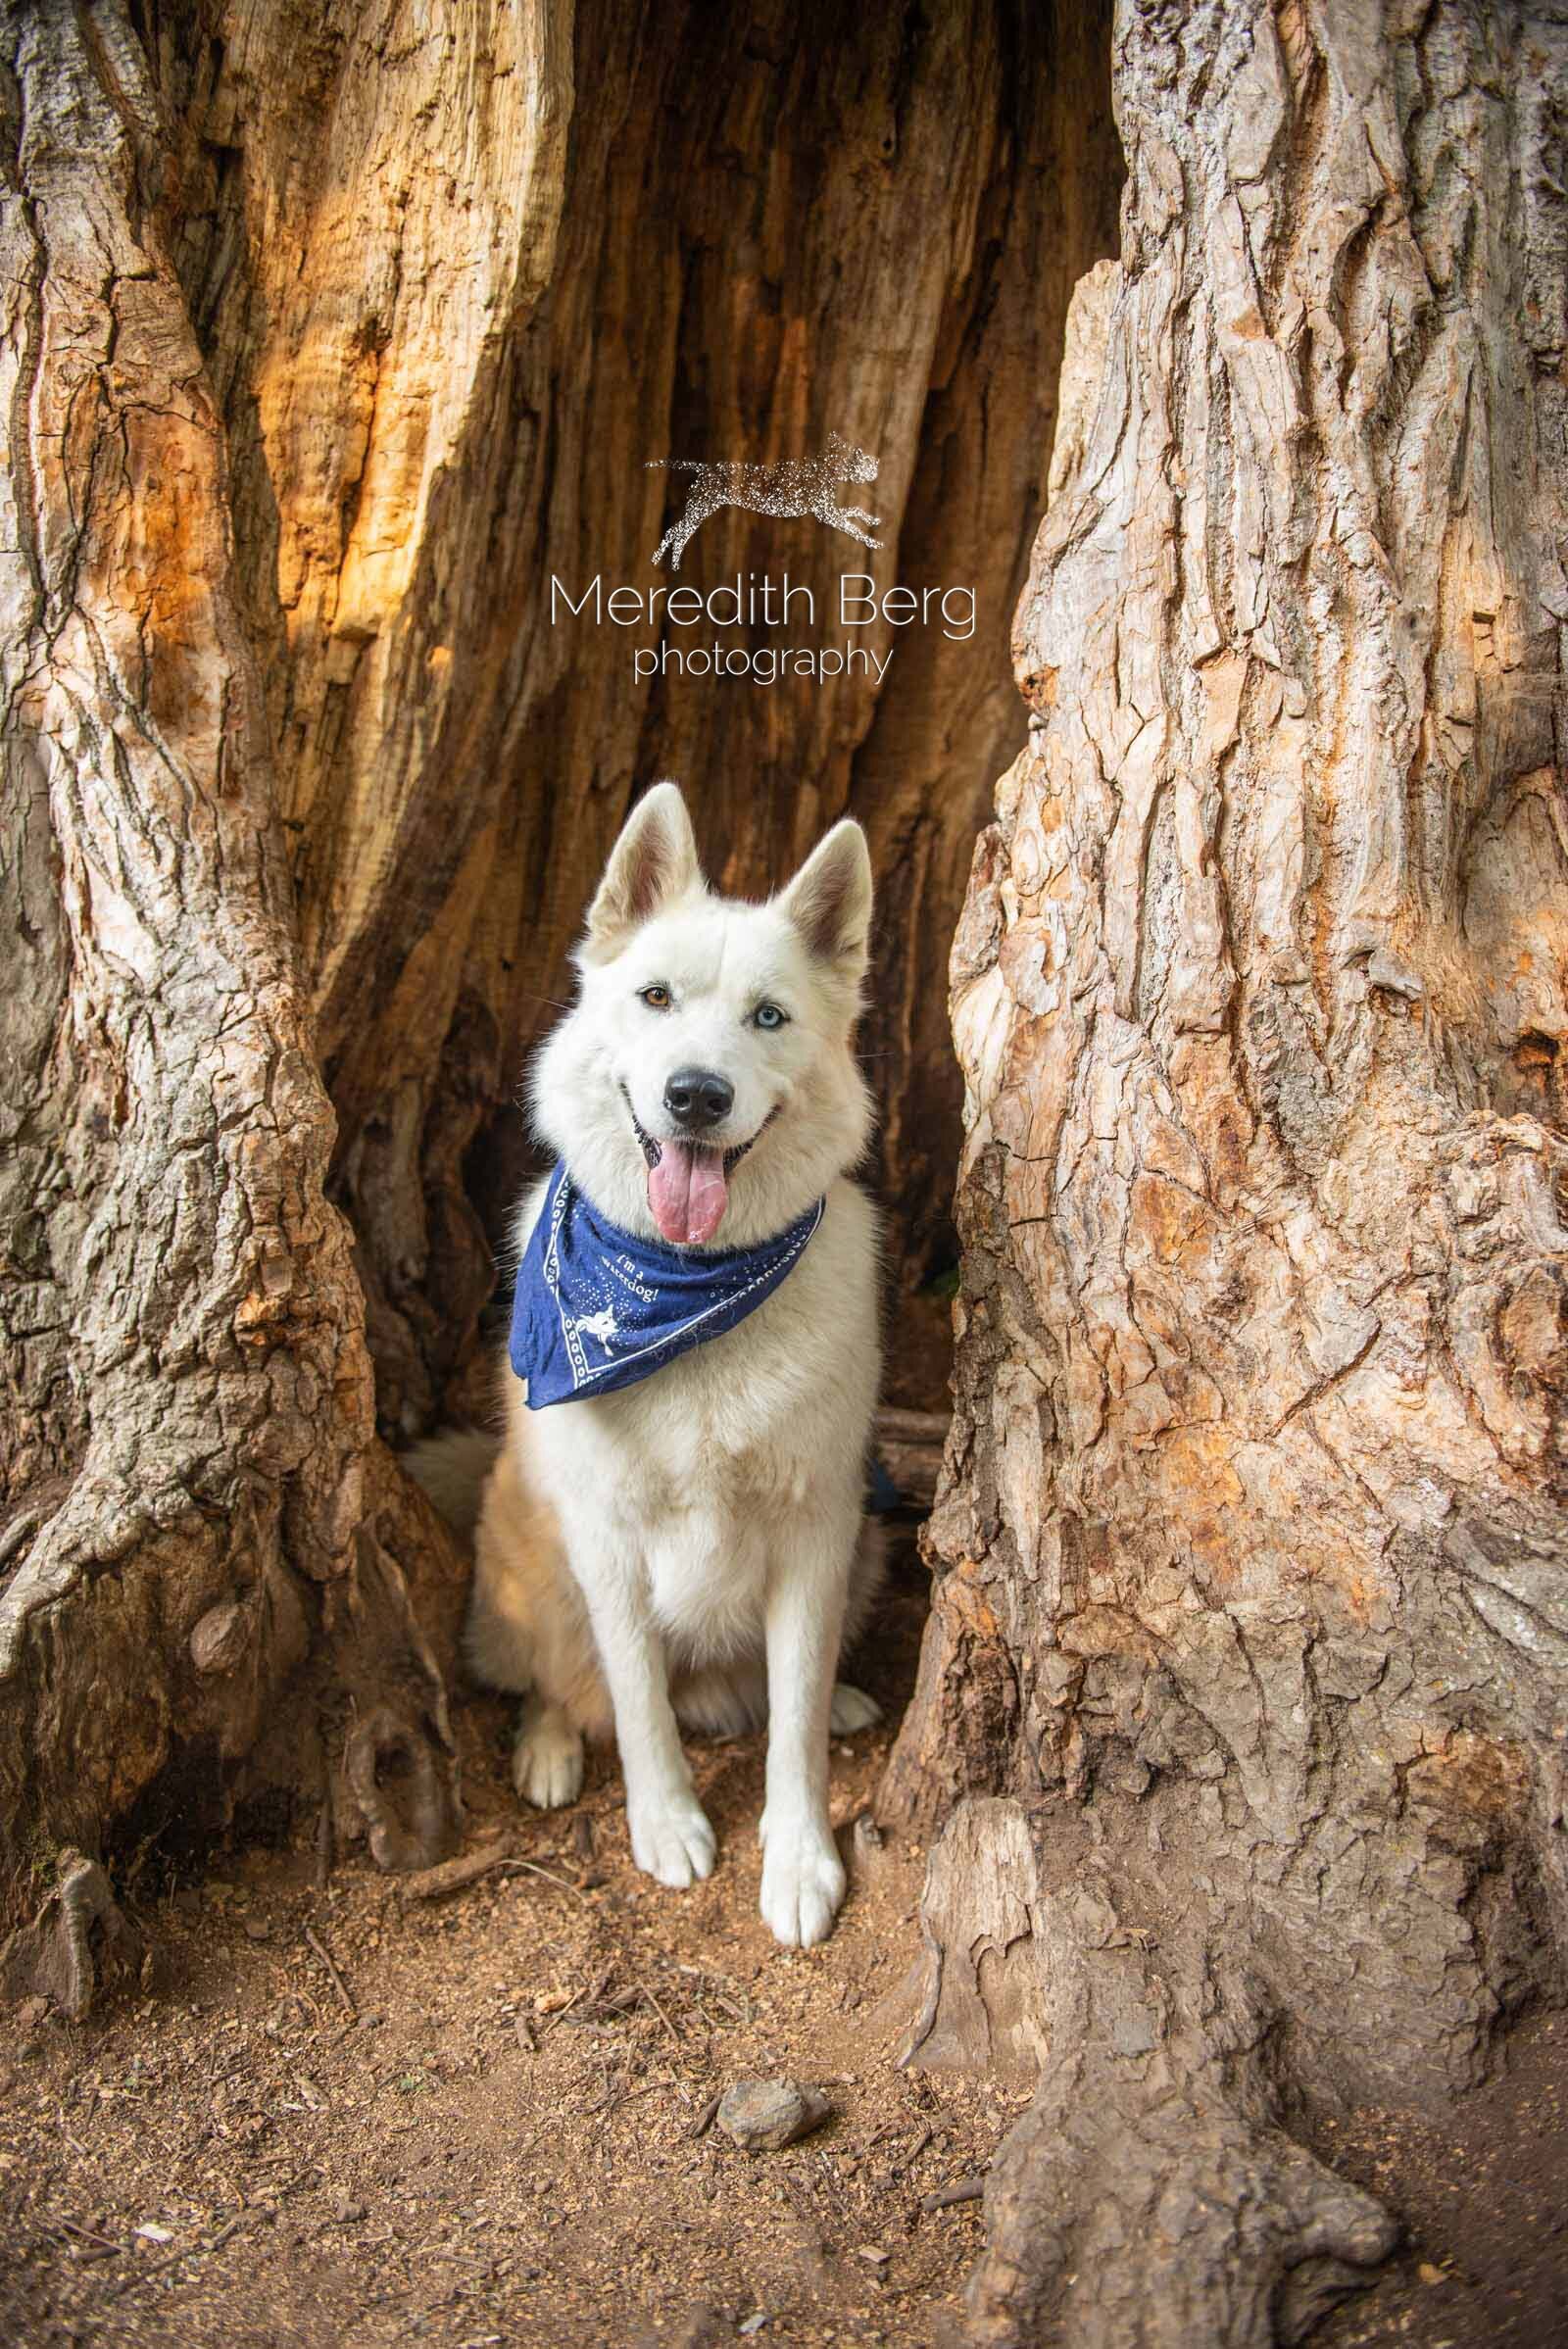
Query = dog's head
x=703 y=1087
x=849 y=461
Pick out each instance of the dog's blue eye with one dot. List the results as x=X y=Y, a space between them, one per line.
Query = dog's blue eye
x=768 y=1015
x=657 y=999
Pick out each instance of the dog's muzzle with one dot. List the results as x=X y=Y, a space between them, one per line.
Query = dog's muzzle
x=652 y=1150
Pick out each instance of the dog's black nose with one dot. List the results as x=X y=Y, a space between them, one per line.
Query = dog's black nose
x=696 y=1097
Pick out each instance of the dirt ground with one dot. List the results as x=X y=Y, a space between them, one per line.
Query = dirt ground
x=344 y=2119
x=1483 y=2198
x=485 y=2121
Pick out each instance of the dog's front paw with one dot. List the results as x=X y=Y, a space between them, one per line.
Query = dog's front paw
x=671 y=1838
x=547 y=1758
x=802 y=1881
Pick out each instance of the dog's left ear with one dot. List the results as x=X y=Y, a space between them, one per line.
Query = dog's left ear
x=654 y=861
x=829 y=899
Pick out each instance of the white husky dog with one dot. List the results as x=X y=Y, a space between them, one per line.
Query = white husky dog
x=690 y=1548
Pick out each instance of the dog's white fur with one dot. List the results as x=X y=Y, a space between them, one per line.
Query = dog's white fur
x=693 y=1546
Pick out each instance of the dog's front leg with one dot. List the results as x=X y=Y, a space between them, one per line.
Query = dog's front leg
x=802 y=1876
x=670 y=1837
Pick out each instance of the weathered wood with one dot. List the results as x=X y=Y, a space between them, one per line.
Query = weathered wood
x=691 y=232
x=80 y=1934
x=1252 y=1563
x=188 y=1420
x=330 y=334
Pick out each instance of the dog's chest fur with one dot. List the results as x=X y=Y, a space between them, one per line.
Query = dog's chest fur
x=723 y=1467
x=707 y=1466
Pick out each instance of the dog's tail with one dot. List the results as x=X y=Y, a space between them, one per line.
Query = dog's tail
x=452 y=1468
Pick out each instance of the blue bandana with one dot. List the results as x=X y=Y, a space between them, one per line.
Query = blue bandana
x=596 y=1308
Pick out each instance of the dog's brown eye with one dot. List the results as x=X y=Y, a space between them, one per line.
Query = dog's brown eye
x=657 y=999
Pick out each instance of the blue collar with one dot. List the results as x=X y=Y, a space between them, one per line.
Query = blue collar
x=595 y=1307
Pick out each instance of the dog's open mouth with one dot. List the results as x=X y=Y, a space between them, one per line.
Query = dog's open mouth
x=688 y=1182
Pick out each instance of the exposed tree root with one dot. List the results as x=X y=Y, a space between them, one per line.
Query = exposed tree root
x=1155 y=2193
x=79 y=1939
x=1135 y=2205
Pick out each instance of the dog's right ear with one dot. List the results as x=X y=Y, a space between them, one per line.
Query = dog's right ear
x=652 y=863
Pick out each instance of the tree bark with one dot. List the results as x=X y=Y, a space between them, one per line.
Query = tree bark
x=332 y=333
x=1243 y=1694
x=455 y=294
x=207 y=1557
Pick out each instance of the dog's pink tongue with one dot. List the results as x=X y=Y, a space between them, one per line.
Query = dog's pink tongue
x=687 y=1193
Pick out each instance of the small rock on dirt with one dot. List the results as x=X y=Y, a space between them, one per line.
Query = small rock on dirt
x=763 y=2115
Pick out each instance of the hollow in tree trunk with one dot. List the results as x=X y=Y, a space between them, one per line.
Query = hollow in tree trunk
x=333 y=335
x=1246 y=1691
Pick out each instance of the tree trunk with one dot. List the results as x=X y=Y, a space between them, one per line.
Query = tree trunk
x=206 y=1552
x=332 y=334
x=1247 y=1668
x=689 y=232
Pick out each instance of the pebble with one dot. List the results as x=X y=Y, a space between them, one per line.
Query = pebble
x=763 y=2115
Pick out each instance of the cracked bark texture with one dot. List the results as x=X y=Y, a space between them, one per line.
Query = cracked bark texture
x=206 y=1560
x=330 y=333
x=456 y=286
x=1246 y=1689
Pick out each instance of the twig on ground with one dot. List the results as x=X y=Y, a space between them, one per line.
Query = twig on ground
x=160 y=2266
x=533 y=1868
x=456 y=1876
x=595 y=1998
x=330 y=1963
x=89 y=2235
x=469 y=1867
x=962 y=2189
x=647 y=1993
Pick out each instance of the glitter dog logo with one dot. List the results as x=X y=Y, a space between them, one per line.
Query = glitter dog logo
x=793 y=490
